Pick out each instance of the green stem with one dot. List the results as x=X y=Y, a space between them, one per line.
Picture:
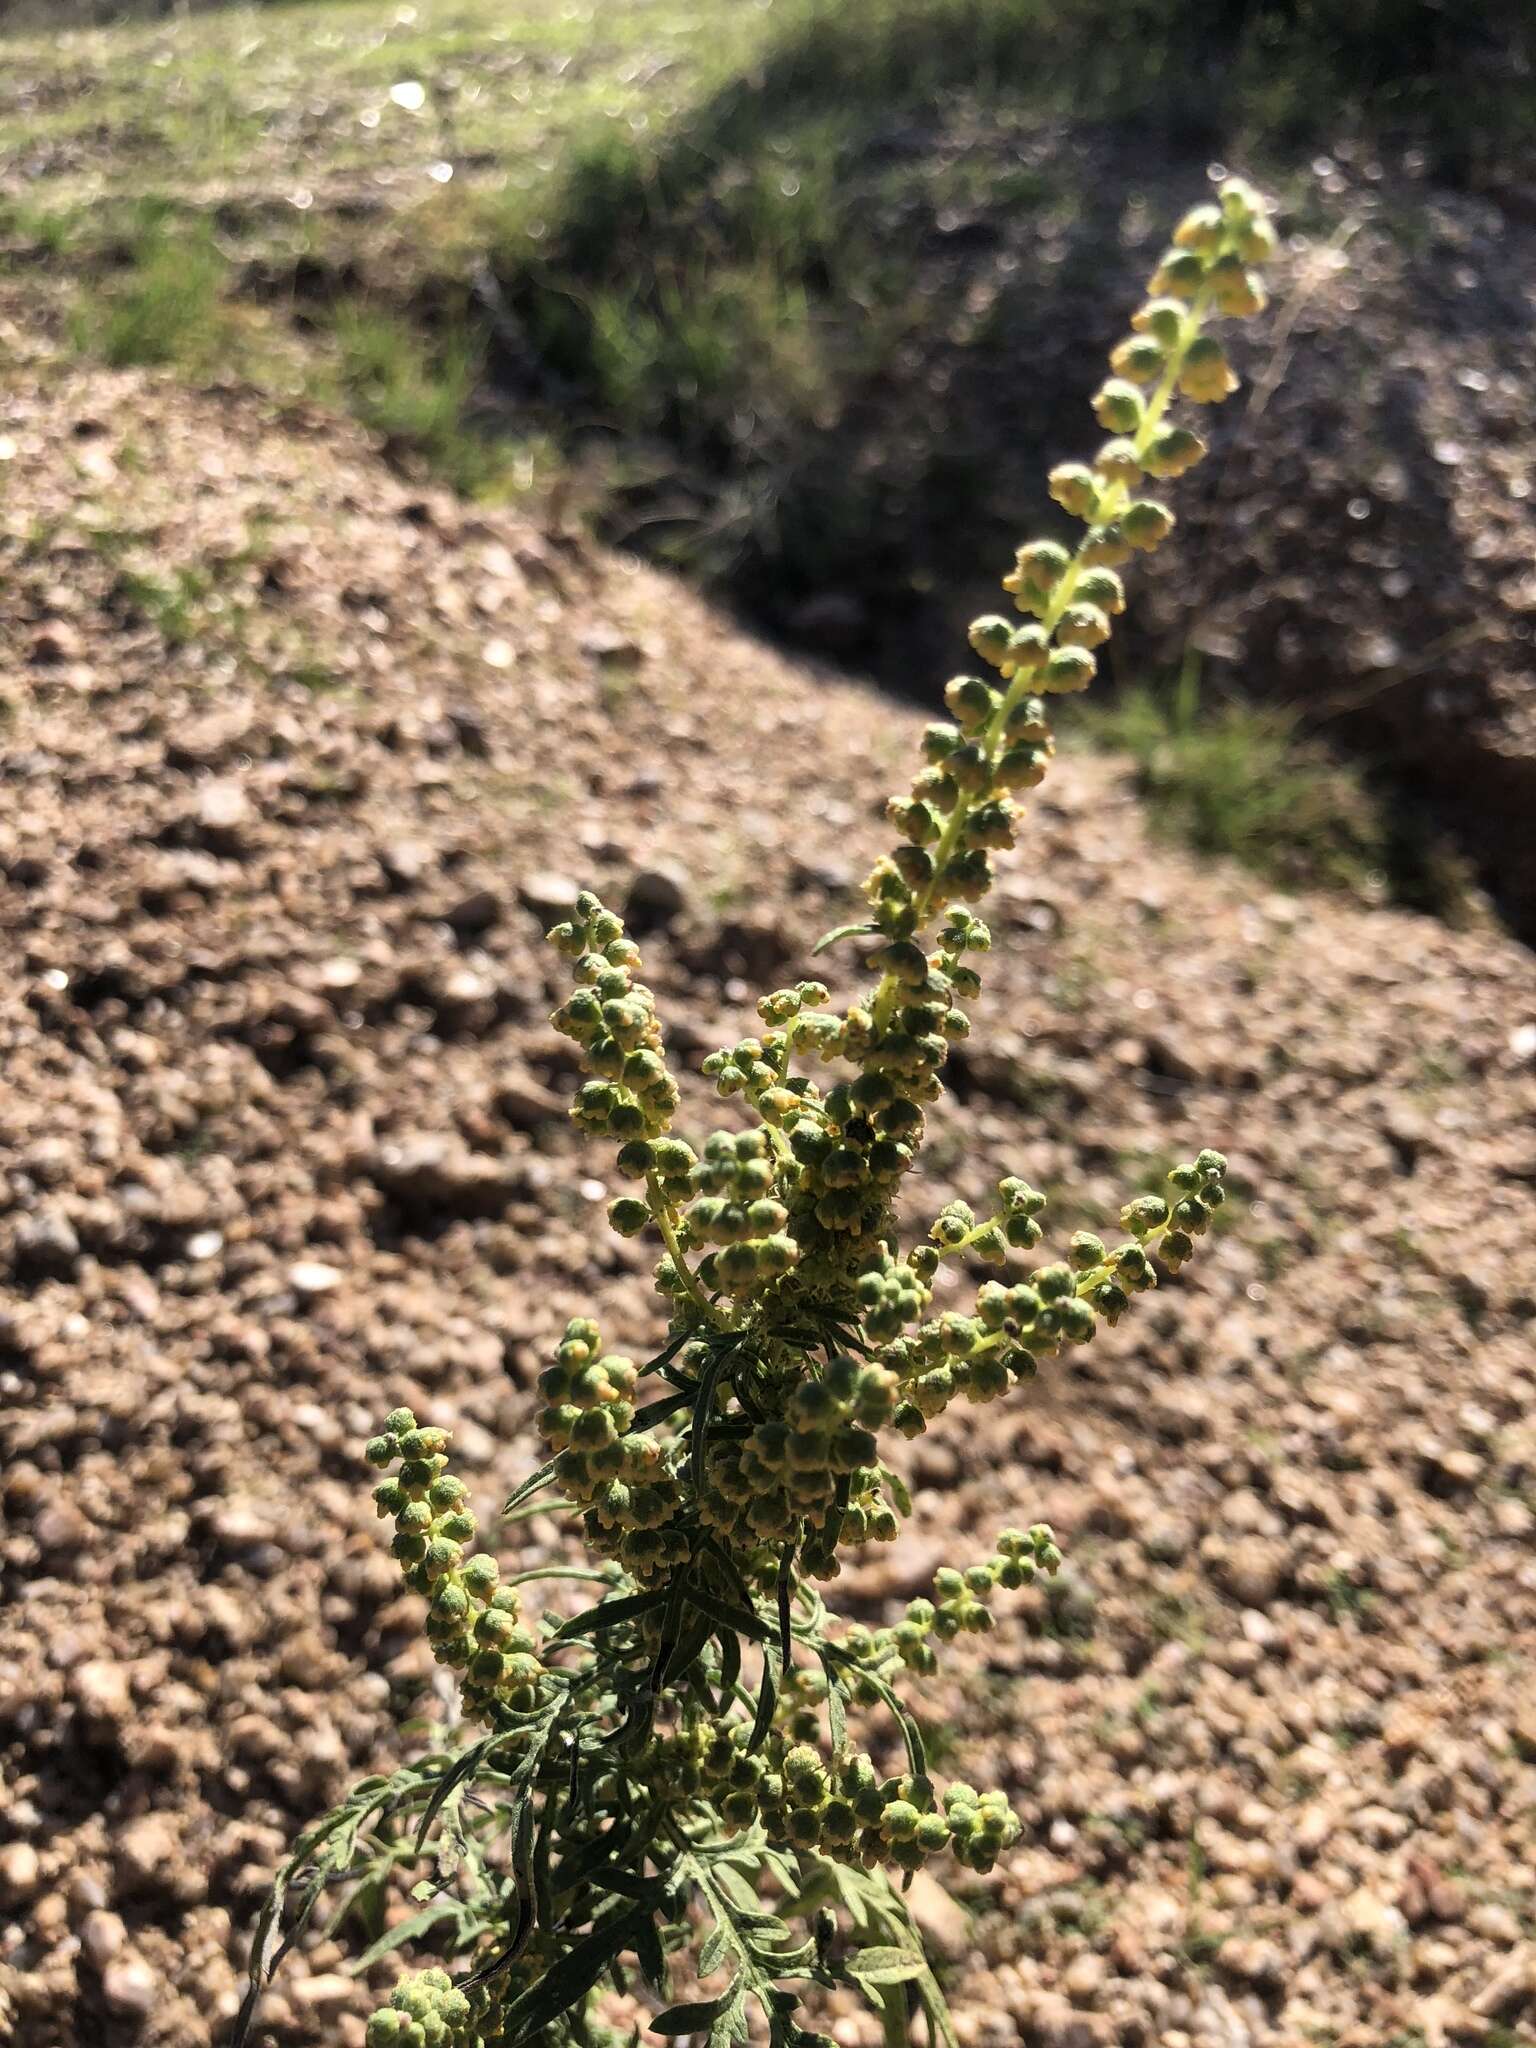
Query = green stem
x=661 y=1210
x=893 y=2017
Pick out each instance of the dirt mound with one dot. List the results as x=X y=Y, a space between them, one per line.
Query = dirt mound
x=1360 y=546
x=297 y=766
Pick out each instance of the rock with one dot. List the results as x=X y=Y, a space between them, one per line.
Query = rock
x=754 y=949
x=475 y=913
x=100 y=1690
x=102 y=1936
x=944 y=1923
x=526 y=1103
x=1084 y=1978
x=607 y=645
x=1511 y=1989
x=1366 y=1920
x=1051 y=2021
x=1445 y=1472
x=312 y=1277
x=56 y=642
x=1260 y=1963
x=657 y=897
x=1180 y=1414
x=223 y=818
x=20 y=1872
x=129 y=1986
x=405 y=861
x=1166 y=1539
x=1251 y=1571
x=1494 y=1923
x=145 y=1851
x=550 y=896
x=437 y=1176
x=325 y=1993
x=46 y=1246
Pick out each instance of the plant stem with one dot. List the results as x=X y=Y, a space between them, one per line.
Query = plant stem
x=661 y=1210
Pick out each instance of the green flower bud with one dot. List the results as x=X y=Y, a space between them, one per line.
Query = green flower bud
x=899 y=1821
x=1140 y=358
x=1082 y=625
x=1206 y=376
x=1027 y=649
x=1107 y=546
x=1101 y=587
x=989 y=638
x=1180 y=274
x=1075 y=488
x=628 y=1215
x=1118 y=462
x=1173 y=450
x=1163 y=319
x=1145 y=1214
x=1145 y=523
x=971 y=701
x=1238 y=292
x=1069 y=668
x=1117 y=406
x=1200 y=229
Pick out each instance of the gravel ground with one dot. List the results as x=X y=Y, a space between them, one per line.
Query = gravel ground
x=296 y=763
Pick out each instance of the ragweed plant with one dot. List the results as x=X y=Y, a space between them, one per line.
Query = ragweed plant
x=667 y=1792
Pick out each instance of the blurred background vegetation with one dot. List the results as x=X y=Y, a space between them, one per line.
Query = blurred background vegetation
x=755 y=286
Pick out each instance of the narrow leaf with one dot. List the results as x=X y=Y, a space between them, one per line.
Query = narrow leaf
x=843 y=931
x=658 y=1411
x=530 y=1486
x=736 y=1619
x=406 y=1930
x=569 y=1980
x=691 y=2019
x=765 y=1700
x=881 y=1966
x=609 y=1614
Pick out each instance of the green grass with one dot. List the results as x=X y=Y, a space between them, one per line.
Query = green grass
x=417 y=397
x=252 y=106
x=1241 y=781
x=164 y=301
x=1248 y=783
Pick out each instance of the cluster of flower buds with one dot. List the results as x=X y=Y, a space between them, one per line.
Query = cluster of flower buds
x=961 y=807
x=782 y=1478
x=848 y=1159
x=959 y=1603
x=893 y=1292
x=618 y=1474
x=473 y=1621
x=1173 y=1227
x=612 y=1017
x=847 y=1810
x=757 y=1067
x=735 y=1209
x=427 y=2010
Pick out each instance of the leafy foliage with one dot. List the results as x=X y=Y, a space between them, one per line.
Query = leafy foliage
x=669 y=1786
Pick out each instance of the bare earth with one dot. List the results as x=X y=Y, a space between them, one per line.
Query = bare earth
x=284 y=1145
